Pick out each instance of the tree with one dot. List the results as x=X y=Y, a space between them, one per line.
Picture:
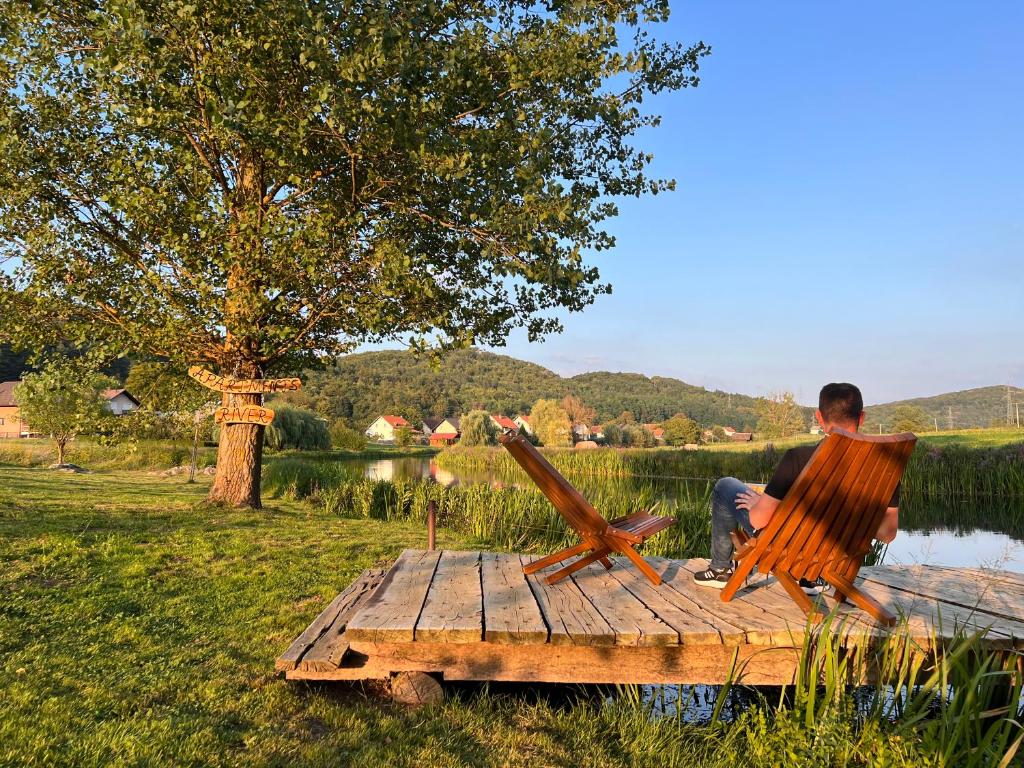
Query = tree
x=577 y=411
x=477 y=428
x=403 y=437
x=681 y=430
x=173 y=406
x=346 y=438
x=63 y=400
x=626 y=417
x=910 y=418
x=260 y=187
x=299 y=429
x=779 y=415
x=551 y=424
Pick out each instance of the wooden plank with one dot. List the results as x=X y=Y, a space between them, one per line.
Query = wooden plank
x=759 y=626
x=1011 y=579
x=926 y=620
x=453 y=610
x=632 y=621
x=571 y=617
x=675 y=610
x=211 y=380
x=669 y=664
x=511 y=613
x=391 y=614
x=243 y=414
x=344 y=605
x=988 y=602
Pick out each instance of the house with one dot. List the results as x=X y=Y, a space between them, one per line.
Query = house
x=816 y=429
x=383 y=429
x=729 y=431
x=441 y=439
x=10 y=421
x=449 y=425
x=504 y=423
x=741 y=437
x=580 y=432
x=523 y=422
x=430 y=425
x=656 y=430
x=120 y=401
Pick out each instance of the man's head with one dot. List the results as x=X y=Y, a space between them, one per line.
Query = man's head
x=840 y=405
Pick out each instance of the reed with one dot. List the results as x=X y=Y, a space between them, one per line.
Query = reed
x=934 y=471
x=141 y=454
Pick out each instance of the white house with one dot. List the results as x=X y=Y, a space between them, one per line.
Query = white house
x=382 y=430
x=523 y=422
x=504 y=423
x=120 y=401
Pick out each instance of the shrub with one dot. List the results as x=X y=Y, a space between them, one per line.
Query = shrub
x=297 y=428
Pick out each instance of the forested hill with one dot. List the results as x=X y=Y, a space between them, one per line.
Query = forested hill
x=981 y=407
x=360 y=387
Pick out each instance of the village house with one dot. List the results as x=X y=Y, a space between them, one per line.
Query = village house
x=119 y=402
x=383 y=428
x=581 y=432
x=523 y=422
x=656 y=431
x=741 y=437
x=504 y=423
x=441 y=432
x=10 y=422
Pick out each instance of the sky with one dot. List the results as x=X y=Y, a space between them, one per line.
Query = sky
x=850 y=207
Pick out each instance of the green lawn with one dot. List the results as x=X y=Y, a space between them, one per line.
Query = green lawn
x=139 y=627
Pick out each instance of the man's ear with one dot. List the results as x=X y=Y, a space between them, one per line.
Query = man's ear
x=821 y=421
x=860 y=419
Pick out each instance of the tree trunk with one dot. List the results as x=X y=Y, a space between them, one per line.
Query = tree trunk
x=60 y=450
x=239 y=458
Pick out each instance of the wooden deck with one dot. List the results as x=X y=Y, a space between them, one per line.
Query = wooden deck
x=475 y=616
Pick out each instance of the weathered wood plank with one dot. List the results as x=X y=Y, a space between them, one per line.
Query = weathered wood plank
x=344 y=605
x=676 y=611
x=670 y=664
x=759 y=626
x=391 y=614
x=453 y=610
x=632 y=621
x=988 y=596
x=570 y=616
x=1012 y=579
x=511 y=613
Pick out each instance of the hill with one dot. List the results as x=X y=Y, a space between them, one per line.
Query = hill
x=360 y=387
x=968 y=408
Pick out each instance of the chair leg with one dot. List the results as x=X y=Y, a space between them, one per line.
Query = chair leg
x=739 y=576
x=642 y=565
x=583 y=562
x=557 y=557
x=799 y=596
x=606 y=563
x=861 y=599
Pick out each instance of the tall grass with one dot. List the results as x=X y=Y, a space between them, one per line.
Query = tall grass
x=509 y=517
x=142 y=454
x=947 y=472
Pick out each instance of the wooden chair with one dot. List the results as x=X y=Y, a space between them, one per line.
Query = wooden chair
x=828 y=519
x=600 y=537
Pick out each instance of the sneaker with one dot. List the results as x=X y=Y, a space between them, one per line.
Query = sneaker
x=815 y=587
x=713 y=577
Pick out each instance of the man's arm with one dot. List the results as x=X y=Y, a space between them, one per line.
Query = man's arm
x=760 y=506
x=890 y=525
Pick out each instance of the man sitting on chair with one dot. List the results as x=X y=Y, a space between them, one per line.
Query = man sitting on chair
x=734 y=504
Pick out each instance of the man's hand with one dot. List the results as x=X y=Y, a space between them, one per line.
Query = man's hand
x=747 y=499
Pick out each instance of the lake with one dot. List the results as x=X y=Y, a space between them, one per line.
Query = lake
x=929 y=533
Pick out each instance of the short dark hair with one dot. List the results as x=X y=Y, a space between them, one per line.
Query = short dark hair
x=840 y=403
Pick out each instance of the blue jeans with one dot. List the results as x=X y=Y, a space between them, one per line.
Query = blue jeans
x=725 y=516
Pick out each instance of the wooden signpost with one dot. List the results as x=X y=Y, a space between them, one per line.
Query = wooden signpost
x=212 y=381
x=247 y=413
x=243 y=414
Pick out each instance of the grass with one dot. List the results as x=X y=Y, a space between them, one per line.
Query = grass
x=138 y=626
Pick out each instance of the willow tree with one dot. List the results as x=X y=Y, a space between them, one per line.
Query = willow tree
x=256 y=186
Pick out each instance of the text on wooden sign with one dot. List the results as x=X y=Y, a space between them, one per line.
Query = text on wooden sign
x=242 y=386
x=243 y=414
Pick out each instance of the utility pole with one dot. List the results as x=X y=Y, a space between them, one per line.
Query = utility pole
x=949 y=411
x=936 y=419
x=1009 y=419
x=1017 y=405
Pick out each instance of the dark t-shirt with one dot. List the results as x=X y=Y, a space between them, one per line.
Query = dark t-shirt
x=792 y=462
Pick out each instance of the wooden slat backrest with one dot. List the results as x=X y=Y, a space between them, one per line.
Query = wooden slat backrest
x=836 y=504
x=577 y=511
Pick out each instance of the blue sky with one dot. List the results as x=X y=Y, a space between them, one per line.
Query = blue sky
x=850 y=206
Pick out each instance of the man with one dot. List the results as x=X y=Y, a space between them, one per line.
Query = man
x=734 y=504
